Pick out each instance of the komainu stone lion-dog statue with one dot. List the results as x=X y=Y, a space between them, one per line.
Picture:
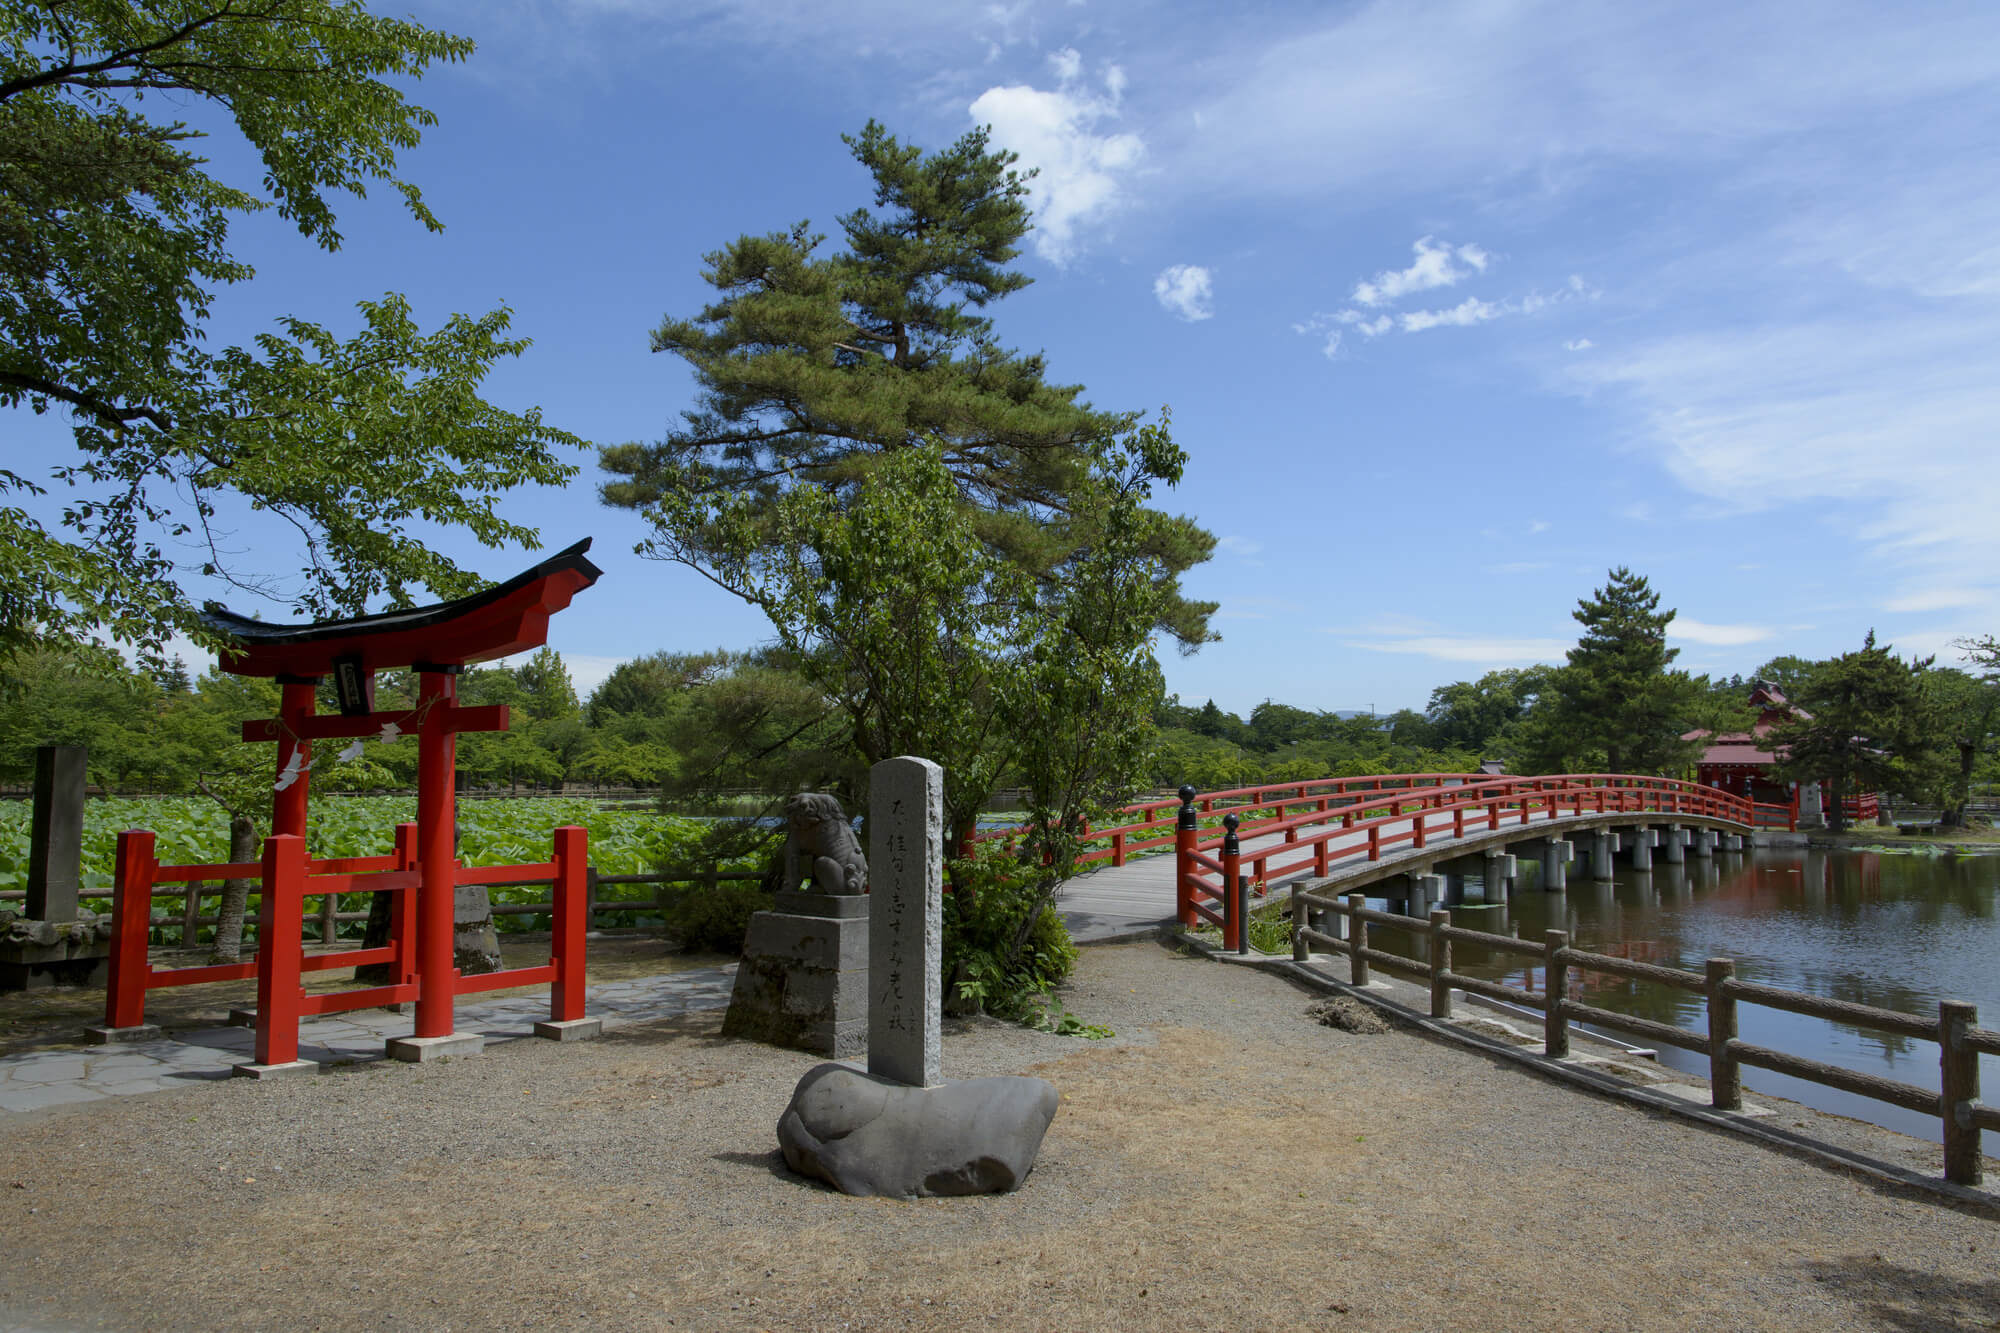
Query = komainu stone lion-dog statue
x=820 y=846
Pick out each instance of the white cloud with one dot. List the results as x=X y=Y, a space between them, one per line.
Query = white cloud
x=1473 y=648
x=1243 y=548
x=1537 y=525
x=1067 y=64
x=1186 y=290
x=1433 y=268
x=1425 y=93
x=1578 y=345
x=1466 y=313
x=1082 y=173
x=1718 y=636
x=1892 y=417
x=1937 y=599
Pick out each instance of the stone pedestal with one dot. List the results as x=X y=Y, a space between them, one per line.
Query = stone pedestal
x=803 y=982
x=38 y=954
x=475 y=944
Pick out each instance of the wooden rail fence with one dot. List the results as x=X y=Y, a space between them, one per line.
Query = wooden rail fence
x=1960 y=1040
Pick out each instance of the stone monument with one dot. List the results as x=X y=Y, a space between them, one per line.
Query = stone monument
x=54 y=940
x=803 y=981
x=900 y=1130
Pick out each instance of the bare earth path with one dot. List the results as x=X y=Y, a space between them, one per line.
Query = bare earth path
x=1225 y=1163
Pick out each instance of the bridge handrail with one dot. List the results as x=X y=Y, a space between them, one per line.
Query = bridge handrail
x=1594 y=793
x=1961 y=1041
x=1159 y=815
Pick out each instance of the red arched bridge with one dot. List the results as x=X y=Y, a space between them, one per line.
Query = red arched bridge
x=1413 y=838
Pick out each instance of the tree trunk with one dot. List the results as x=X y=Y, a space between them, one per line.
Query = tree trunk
x=1953 y=815
x=228 y=946
x=1836 y=804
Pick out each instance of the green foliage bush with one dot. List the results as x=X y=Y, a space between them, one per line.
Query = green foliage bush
x=1004 y=945
x=713 y=919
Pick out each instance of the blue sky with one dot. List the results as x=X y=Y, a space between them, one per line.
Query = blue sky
x=1456 y=303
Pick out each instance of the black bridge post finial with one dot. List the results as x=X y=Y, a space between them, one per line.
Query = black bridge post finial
x=1189 y=818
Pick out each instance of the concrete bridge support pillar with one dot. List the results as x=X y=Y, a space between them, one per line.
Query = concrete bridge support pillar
x=1704 y=843
x=1732 y=842
x=1555 y=865
x=1603 y=847
x=1327 y=923
x=1454 y=887
x=1425 y=892
x=1673 y=845
x=1499 y=874
x=1642 y=841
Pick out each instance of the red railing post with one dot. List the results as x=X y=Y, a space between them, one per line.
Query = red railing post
x=1187 y=832
x=566 y=926
x=280 y=918
x=1118 y=848
x=131 y=924
x=403 y=918
x=1374 y=842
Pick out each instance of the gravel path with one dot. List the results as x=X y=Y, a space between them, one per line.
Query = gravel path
x=1227 y=1162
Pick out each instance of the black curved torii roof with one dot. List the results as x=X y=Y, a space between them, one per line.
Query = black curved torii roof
x=505 y=619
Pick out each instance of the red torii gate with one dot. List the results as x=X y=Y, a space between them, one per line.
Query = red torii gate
x=438 y=642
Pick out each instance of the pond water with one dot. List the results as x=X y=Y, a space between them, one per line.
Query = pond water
x=1895 y=930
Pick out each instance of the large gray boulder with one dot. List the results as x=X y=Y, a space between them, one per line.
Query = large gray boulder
x=873 y=1136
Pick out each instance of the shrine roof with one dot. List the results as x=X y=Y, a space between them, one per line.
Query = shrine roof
x=505 y=619
x=1740 y=753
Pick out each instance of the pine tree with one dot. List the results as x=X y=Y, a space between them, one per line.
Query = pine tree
x=813 y=368
x=1868 y=725
x=1616 y=697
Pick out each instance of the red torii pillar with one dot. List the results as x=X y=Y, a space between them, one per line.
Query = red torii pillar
x=436 y=722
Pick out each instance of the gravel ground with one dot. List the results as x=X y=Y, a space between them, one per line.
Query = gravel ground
x=1226 y=1162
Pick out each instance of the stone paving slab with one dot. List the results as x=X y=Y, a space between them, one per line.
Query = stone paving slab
x=33 y=1080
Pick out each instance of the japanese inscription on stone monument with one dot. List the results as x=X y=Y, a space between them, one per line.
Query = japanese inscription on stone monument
x=906 y=919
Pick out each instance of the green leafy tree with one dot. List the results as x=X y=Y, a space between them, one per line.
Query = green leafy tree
x=1789 y=673
x=1869 y=726
x=1964 y=711
x=1473 y=715
x=86 y=695
x=1616 y=700
x=113 y=245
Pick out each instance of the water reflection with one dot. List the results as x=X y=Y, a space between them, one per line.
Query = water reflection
x=1895 y=931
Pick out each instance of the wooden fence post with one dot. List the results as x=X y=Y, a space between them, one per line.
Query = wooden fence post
x=1555 y=1023
x=1959 y=1065
x=1301 y=946
x=1357 y=939
x=1440 y=963
x=190 y=914
x=1725 y=1075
